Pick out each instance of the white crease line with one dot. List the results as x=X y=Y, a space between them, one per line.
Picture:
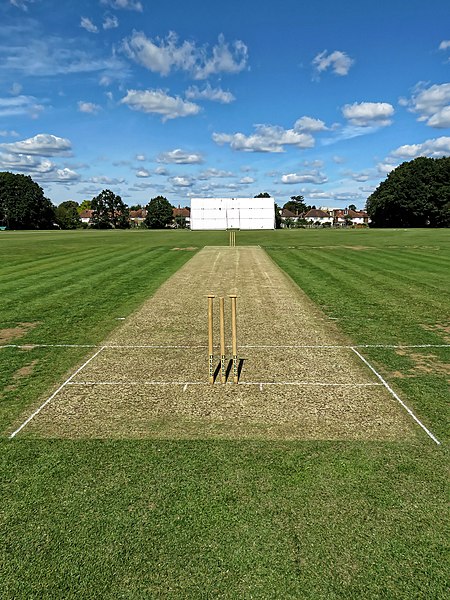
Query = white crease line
x=188 y=347
x=67 y=382
x=388 y=387
x=258 y=383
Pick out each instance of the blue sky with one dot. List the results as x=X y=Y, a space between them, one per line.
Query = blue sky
x=202 y=98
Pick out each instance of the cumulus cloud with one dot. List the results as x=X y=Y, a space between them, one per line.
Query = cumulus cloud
x=42 y=169
x=312 y=177
x=141 y=157
x=87 y=24
x=42 y=144
x=368 y=114
x=158 y=102
x=180 y=157
x=444 y=45
x=20 y=105
x=433 y=148
x=267 y=138
x=164 y=55
x=246 y=180
x=309 y=125
x=110 y=22
x=179 y=181
x=209 y=93
x=142 y=173
x=124 y=4
x=338 y=61
x=432 y=104
x=88 y=107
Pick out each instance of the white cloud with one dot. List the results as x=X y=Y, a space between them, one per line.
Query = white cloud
x=339 y=62
x=309 y=125
x=6 y=133
x=246 y=180
x=110 y=22
x=224 y=59
x=433 y=148
x=164 y=55
x=180 y=157
x=42 y=169
x=368 y=114
x=440 y=119
x=214 y=173
x=88 y=107
x=209 y=93
x=311 y=177
x=53 y=55
x=42 y=144
x=432 y=104
x=23 y=4
x=16 y=88
x=267 y=138
x=124 y=4
x=179 y=181
x=20 y=105
x=104 y=180
x=161 y=171
x=141 y=157
x=158 y=102
x=87 y=24
x=142 y=173
x=361 y=176
x=444 y=45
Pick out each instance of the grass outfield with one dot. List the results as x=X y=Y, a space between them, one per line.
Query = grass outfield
x=241 y=519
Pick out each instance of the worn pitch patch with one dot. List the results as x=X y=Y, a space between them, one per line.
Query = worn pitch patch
x=284 y=393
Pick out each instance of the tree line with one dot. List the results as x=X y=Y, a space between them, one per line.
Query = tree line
x=415 y=194
x=24 y=206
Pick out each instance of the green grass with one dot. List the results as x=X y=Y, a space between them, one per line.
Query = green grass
x=168 y=519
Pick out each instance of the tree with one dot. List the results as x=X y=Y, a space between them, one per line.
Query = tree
x=67 y=215
x=136 y=207
x=351 y=207
x=415 y=194
x=159 y=213
x=278 y=219
x=23 y=204
x=296 y=205
x=109 y=211
x=85 y=205
x=263 y=195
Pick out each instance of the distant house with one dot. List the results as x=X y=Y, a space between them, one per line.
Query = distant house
x=137 y=217
x=288 y=217
x=316 y=217
x=86 y=216
x=346 y=216
x=181 y=217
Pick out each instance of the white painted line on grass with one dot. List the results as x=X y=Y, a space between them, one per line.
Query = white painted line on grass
x=258 y=383
x=388 y=387
x=38 y=410
x=255 y=346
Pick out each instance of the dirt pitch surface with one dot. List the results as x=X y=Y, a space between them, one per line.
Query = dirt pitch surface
x=151 y=378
